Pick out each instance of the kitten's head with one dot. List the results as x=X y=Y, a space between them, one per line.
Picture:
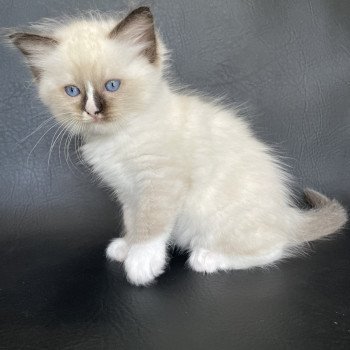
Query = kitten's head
x=95 y=73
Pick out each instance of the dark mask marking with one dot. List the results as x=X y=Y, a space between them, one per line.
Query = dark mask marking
x=99 y=101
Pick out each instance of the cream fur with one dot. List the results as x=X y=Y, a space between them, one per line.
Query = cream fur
x=187 y=171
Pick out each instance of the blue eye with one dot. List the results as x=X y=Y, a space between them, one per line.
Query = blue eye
x=112 y=85
x=72 y=90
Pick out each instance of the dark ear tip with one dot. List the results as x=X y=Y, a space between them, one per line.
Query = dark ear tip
x=143 y=10
x=14 y=37
x=11 y=35
x=6 y=33
x=7 y=36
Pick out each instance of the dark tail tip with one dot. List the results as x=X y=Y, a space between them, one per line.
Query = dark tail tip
x=316 y=199
x=326 y=216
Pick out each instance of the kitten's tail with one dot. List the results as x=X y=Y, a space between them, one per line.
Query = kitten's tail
x=325 y=217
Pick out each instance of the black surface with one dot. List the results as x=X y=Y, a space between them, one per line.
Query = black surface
x=290 y=60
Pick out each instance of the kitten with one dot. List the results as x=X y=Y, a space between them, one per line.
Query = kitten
x=187 y=171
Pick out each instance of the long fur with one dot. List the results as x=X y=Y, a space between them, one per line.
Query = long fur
x=186 y=169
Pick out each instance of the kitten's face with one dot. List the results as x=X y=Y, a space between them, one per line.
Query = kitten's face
x=95 y=75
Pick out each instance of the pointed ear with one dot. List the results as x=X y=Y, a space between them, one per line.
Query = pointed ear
x=33 y=47
x=138 y=28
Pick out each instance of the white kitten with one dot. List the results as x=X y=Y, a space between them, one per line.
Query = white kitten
x=187 y=171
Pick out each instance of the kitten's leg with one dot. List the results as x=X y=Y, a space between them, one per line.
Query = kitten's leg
x=207 y=261
x=147 y=260
x=153 y=222
x=118 y=249
x=249 y=240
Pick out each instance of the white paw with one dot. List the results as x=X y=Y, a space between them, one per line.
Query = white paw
x=117 y=250
x=145 y=261
x=203 y=260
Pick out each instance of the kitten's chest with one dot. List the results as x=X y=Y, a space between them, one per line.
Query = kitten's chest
x=108 y=161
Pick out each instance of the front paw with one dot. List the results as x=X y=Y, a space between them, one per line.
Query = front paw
x=145 y=261
x=117 y=249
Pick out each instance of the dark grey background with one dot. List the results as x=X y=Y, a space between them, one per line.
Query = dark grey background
x=288 y=63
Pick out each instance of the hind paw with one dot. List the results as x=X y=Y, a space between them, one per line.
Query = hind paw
x=203 y=260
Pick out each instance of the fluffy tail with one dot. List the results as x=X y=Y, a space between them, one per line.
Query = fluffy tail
x=326 y=217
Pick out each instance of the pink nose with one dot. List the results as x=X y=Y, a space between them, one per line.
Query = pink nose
x=92 y=112
x=91 y=108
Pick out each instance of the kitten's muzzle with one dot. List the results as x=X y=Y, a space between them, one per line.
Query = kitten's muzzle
x=93 y=105
x=93 y=113
x=96 y=116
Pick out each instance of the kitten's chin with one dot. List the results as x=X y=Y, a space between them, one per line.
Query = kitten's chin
x=99 y=124
x=102 y=127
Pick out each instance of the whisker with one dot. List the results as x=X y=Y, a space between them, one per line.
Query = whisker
x=39 y=141
x=42 y=124
x=37 y=129
x=77 y=149
x=76 y=137
x=59 y=145
x=68 y=125
x=66 y=147
x=66 y=150
x=61 y=129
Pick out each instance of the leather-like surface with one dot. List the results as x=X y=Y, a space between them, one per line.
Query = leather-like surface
x=290 y=61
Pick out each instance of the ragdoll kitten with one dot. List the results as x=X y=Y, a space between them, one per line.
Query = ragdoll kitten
x=187 y=171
